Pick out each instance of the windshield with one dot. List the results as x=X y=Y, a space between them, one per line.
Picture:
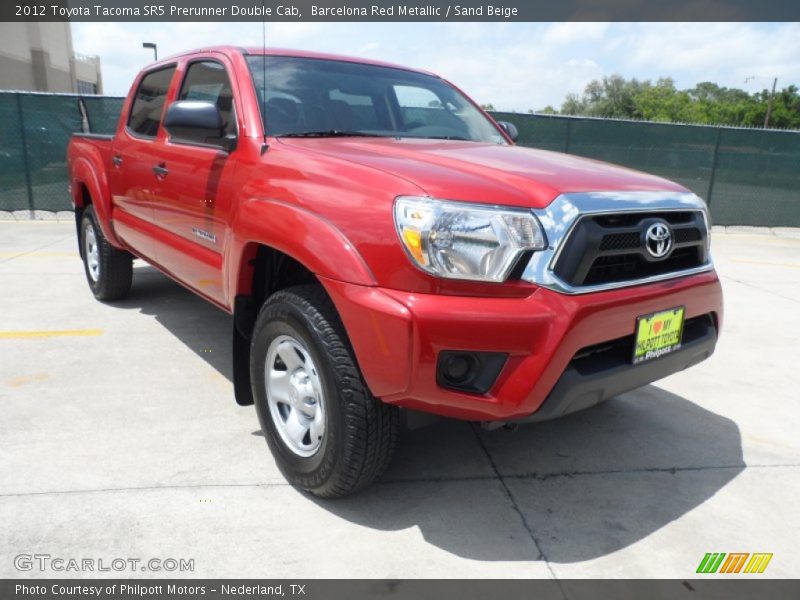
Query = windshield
x=305 y=97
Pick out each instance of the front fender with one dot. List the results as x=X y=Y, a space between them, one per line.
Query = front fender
x=314 y=242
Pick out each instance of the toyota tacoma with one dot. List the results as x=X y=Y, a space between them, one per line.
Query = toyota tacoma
x=384 y=246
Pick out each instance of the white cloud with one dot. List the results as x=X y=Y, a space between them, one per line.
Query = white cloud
x=726 y=53
x=569 y=33
x=368 y=48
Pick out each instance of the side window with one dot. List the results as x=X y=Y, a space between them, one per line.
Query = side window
x=416 y=97
x=207 y=81
x=148 y=103
x=420 y=107
x=351 y=111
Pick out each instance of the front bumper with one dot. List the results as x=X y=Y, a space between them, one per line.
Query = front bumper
x=606 y=371
x=397 y=337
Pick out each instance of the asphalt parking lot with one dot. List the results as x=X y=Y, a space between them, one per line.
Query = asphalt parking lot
x=119 y=437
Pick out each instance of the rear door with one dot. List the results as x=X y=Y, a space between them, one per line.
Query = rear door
x=131 y=179
x=194 y=199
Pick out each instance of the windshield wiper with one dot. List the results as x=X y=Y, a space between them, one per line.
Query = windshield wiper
x=333 y=133
x=447 y=137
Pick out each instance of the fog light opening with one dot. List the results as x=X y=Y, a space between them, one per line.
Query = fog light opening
x=472 y=372
x=459 y=368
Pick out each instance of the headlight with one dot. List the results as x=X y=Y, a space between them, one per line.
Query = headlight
x=459 y=240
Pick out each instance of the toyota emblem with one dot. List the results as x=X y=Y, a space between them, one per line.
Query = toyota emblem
x=658 y=239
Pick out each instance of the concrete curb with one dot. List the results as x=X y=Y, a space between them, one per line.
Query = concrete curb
x=783 y=232
x=37 y=215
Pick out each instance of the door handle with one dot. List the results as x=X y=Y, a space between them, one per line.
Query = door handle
x=117 y=160
x=160 y=170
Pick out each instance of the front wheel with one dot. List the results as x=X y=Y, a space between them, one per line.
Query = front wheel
x=329 y=435
x=109 y=271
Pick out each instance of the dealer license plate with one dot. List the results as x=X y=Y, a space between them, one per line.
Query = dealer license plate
x=658 y=334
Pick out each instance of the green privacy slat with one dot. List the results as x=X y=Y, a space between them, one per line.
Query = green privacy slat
x=758 y=178
x=34 y=132
x=49 y=121
x=756 y=173
x=13 y=186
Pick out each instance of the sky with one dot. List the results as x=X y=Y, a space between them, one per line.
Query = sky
x=513 y=66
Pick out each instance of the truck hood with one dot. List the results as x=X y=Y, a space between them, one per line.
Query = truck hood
x=489 y=173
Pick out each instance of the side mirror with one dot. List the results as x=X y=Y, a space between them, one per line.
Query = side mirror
x=510 y=129
x=194 y=121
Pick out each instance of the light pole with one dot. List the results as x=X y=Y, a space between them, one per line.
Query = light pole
x=154 y=47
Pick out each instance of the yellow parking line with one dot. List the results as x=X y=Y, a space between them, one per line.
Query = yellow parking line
x=765 y=264
x=49 y=333
x=22 y=380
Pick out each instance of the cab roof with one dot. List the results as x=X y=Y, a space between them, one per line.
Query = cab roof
x=259 y=51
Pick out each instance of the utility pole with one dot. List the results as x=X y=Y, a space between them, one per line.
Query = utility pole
x=769 y=104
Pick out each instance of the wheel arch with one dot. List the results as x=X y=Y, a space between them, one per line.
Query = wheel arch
x=89 y=188
x=297 y=233
x=277 y=245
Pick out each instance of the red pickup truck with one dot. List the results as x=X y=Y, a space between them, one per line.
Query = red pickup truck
x=382 y=244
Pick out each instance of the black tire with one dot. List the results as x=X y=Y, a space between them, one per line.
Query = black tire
x=111 y=276
x=360 y=431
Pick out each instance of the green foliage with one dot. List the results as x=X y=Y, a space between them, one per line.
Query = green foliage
x=706 y=103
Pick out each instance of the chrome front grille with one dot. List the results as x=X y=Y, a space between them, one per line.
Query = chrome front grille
x=598 y=241
x=611 y=248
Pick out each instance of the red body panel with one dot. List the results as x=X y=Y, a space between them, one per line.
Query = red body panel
x=328 y=204
x=541 y=333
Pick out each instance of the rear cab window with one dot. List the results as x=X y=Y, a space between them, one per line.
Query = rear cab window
x=148 y=103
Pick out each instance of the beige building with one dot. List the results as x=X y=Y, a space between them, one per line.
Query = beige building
x=39 y=57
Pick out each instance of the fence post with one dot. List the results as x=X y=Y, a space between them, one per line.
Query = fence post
x=713 y=167
x=567 y=135
x=25 y=154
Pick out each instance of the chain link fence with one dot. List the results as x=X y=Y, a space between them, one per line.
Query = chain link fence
x=34 y=131
x=748 y=176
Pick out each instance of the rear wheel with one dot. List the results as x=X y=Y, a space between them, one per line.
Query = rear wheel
x=109 y=271
x=329 y=435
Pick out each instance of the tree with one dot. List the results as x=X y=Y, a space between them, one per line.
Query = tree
x=786 y=107
x=574 y=105
x=609 y=97
x=706 y=103
x=663 y=102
